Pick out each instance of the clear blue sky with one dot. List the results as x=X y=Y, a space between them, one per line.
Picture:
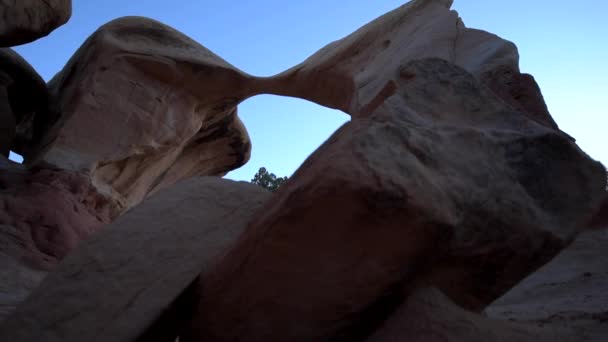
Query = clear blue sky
x=564 y=44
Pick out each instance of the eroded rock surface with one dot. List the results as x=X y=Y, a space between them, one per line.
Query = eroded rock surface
x=44 y=214
x=51 y=209
x=443 y=183
x=23 y=21
x=429 y=316
x=569 y=292
x=141 y=106
x=359 y=72
x=114 y=286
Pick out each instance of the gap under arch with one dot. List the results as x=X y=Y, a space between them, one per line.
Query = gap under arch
x=284 y=131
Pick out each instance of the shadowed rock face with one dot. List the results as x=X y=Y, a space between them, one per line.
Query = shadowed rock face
x=429 y=316
x=23 y=21
x=443 y=184
x=26 y=99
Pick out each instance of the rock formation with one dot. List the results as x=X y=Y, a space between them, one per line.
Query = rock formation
x=24 y=21
x=424 y=218
x=140 y=106
x=158 y=250
x=422 y=190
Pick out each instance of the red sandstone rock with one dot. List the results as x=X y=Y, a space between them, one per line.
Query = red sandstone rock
x=23 y=21
x=44 y=214
x=52 y=210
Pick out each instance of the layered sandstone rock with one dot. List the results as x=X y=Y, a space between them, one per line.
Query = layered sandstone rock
x=24 y=21
x=114 y=286
x=140 y=106
x=24 y=102
x=442 y=184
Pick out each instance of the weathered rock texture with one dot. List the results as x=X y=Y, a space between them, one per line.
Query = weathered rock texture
x=443 y=184
x=44 y=214
x=52 y=210
x=358 y=73
x=141 y=106
x=569 y=292
x=429 y=316
x=138 y=108
x=114 y=286
x=23 y=21
x=24 y=98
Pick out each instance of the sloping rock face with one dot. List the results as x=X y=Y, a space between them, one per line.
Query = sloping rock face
x=140 y=106
x=429 y=316
x=24 y=21
x=443 y=184
x=115 y=285
x=24 y=102
x=569 y=292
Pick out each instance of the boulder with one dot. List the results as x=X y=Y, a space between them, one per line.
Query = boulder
x=27 y=99
x=141 y=106
x=24 y=21
x=443 y=184
x=117 y=284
